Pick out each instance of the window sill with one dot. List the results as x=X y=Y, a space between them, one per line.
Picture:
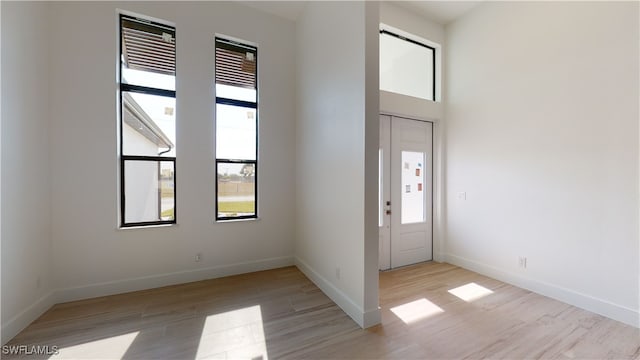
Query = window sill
x=146 y=227
x=235 y=220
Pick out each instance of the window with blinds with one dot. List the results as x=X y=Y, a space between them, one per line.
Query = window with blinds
x=147 y=122
x=235 y=65
x=236 y=130
x=148 y=47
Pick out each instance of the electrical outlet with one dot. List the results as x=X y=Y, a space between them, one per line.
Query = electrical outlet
x=198 y=257
x=462 y=195
x=522 y=262
x=337 y=272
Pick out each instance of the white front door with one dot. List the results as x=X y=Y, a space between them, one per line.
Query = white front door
x=406 y=183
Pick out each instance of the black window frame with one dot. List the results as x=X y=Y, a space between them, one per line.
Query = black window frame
x=235 y=45
x=130 y=88
x=433 y=56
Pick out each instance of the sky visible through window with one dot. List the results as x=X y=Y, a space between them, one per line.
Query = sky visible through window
x=236 y=125
x=161 y=109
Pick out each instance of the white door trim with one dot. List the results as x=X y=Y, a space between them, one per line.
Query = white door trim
x=384 y=179
x=436 y=210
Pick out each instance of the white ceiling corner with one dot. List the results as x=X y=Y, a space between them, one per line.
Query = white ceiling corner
x=290 y=10
x=441 y=12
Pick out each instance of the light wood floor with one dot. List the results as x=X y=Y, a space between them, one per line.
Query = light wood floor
x=280 y=314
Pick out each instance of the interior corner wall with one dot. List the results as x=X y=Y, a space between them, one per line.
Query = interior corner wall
x=92 y=256
x=371 y=165
x=26 y=196
x=330 y=164
x=542 y=136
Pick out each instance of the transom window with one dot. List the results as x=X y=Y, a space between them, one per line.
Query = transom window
x=407 y=66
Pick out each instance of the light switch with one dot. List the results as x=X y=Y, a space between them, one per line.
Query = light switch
x=462 y=195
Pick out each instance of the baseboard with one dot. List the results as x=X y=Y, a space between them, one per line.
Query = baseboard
x=583 y=301
x=371 y=318
x=181 y=277
x=17 y=323
x=363 y=318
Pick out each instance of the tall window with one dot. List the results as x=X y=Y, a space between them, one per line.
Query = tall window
x=407 y=66
x=236 y=130
x=147 y=122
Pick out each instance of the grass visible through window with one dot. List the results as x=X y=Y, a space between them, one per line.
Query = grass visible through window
x=235 y=207
x=229 y=208
x=167 y=214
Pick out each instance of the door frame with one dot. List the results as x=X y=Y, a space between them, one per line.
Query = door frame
x=437 y=191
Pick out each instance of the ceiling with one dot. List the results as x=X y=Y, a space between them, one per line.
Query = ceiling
x=441 y=12
x=287 y=9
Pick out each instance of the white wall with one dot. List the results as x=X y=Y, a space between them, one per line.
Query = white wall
x=26 y=196
x=337 y=135
x=542 y=135
x=91 y=255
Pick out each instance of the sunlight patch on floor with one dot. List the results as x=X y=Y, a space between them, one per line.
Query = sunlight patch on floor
x=470 y=292
x=234 y=334
x=416 y=310
x=109 y=348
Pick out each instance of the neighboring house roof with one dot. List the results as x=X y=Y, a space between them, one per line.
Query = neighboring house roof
x=139 y=120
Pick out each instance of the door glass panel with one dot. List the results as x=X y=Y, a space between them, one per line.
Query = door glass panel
x=413 y=187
